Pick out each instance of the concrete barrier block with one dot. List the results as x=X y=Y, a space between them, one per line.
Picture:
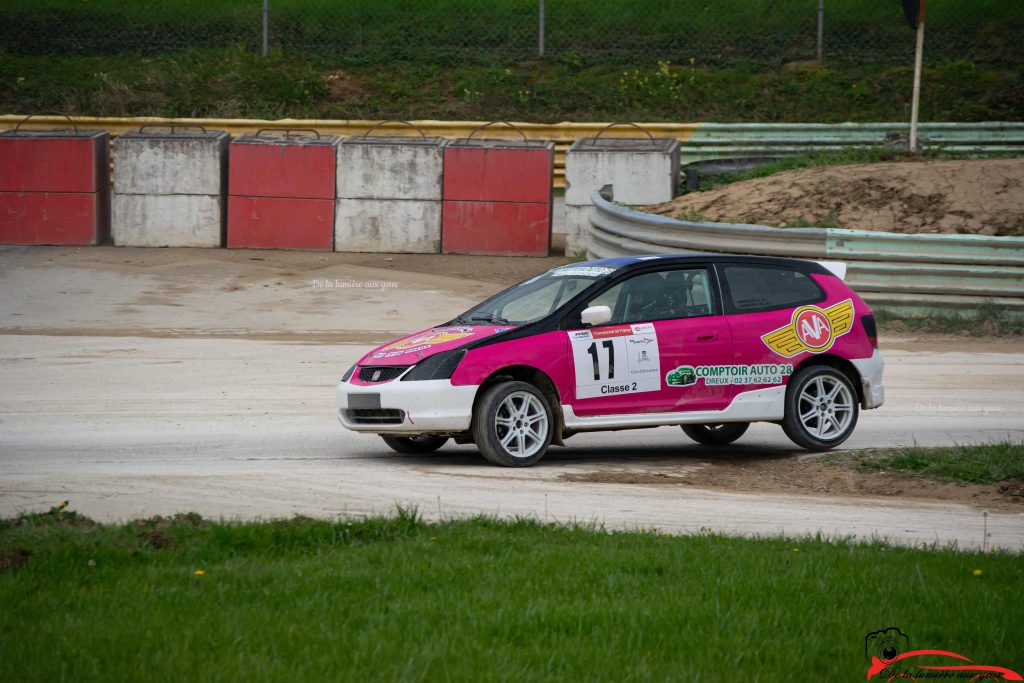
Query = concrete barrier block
x=281 y=223
x=499 y=170
x=157 y=162
x=61 y=218
x=498 y=228
x=642 y=171
x=283 y=165
x=141 y=220
x=390 y=168
x=54 y=161
x=577 y=227
x=387 y=225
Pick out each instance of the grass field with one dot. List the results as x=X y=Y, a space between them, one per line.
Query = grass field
x=236 y=82
x=397 y=599
x=707 y=60
x=976 y=464
x=714 y=31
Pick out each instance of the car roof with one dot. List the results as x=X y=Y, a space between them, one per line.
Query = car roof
x=629 y=262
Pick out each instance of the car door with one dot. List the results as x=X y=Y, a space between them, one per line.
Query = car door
x=666 y=325
x=762 y=303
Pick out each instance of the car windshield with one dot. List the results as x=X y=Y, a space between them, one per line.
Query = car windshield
x=535 y=298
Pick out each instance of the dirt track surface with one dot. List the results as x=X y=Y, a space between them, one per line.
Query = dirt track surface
x=142 y=382
x=980 y=196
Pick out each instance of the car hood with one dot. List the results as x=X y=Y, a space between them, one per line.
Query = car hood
x=414 y=348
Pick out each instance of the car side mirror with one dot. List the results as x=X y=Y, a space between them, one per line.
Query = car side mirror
x=596 y=315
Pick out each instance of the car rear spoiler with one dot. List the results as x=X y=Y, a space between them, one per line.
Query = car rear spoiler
x=838 y=268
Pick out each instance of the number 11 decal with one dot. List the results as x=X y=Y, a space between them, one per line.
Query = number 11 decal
x=592 y=350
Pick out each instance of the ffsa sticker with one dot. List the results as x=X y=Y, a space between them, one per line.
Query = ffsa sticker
x=618 y=359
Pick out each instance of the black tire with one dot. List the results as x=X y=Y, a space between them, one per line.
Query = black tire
x=530 y=436
x=415 y=444
x=720 y=434
x=814 y=420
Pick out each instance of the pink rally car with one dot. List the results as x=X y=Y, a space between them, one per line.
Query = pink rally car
x=708 y=342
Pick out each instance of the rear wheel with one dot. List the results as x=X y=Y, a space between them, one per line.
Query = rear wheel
x=720 y=434
x=415 y=444
x=512 y=424
x=821 y=408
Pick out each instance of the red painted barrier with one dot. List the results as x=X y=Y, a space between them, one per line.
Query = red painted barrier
x=497 y=197
x=54 y=187
x=498 y=174
x=501 y=228
x=281 y=190
x=62 y=218
x=280 y=223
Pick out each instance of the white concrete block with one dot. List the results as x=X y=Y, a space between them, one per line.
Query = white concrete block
x=141 y=220
x=638 y=175
x=387 y=225
x=577 y=228
x=164 y=164
x=390 y=168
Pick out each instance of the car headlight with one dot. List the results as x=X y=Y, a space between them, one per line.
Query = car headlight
x=348 y=373
x=439 y=366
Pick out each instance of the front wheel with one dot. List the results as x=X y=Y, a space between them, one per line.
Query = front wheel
x=716 y=434
x=512 y=424
x=415 y=444
x=821 y=408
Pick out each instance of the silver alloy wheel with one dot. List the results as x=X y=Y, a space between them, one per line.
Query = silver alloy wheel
x=826 y=407
x=521 y=424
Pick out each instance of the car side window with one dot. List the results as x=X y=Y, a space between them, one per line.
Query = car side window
x=683 y=293
x=767 y=288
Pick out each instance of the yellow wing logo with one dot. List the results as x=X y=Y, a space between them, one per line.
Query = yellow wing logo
x=841 y=317
x=811 y=329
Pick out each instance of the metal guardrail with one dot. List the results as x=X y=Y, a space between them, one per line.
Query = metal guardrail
x=908 y=273
x=698 y=141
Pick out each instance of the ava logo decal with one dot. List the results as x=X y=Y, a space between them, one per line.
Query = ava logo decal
x=812 y=329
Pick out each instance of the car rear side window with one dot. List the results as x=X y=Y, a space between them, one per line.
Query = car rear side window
x=767 y=288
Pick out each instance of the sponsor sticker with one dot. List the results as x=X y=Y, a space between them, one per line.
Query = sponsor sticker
x=612 y=331
x=719 y=375
x=811 y=329
x=582 y=271
x=429 y=338
x=617 y=359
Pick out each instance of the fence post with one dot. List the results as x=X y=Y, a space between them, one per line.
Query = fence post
x=540 y=31
x=266 y=27
x=821 y=29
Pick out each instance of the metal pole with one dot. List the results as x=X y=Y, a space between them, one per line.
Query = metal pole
x=821 y=28
x=918 y=51
x=266 y=27
x=540 y=31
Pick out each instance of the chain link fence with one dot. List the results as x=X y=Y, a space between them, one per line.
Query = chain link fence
x=711 y=32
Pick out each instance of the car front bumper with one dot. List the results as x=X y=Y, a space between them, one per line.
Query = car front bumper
x=870 y=370
x=406 y=408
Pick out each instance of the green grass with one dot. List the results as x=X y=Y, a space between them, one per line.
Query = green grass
x=477 y=600
x=236 y=82
x=975 y=464
x=721 y=32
